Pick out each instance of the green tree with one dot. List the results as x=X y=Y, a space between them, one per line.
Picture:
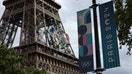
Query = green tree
x=10 y=63
x=123 y=15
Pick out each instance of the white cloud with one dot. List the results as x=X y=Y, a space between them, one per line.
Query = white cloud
x=1 y=8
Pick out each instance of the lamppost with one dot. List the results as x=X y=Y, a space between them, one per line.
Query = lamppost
x=97 y=48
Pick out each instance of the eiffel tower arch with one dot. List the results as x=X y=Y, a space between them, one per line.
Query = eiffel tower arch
x=42 y=35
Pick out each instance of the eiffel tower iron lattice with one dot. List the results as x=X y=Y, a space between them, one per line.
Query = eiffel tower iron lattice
x=42 y=35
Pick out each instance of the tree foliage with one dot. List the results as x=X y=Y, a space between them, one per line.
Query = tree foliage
x=10 y=63
x=123 y=15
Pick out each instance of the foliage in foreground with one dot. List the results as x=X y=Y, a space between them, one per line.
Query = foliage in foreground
x=123 y=15
x=10 y=63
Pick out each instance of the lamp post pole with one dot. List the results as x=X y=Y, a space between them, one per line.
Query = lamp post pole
x=97 y=48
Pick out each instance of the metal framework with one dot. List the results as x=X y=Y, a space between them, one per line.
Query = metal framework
x=42 y=35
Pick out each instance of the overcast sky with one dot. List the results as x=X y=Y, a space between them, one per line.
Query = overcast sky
x=69 y=19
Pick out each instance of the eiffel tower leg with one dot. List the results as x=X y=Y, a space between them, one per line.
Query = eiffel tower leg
x=8 y=27
x=40 y=29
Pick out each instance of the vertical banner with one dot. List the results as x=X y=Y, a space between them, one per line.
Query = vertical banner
x=109 y=36
x=85 y=41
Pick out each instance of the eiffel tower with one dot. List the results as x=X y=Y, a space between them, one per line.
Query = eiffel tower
x=42 y=36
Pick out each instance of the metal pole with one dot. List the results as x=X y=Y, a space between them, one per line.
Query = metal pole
x=97 y=48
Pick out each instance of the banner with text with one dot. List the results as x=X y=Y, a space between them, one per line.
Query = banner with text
x=85 y=41
x=109 y=36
